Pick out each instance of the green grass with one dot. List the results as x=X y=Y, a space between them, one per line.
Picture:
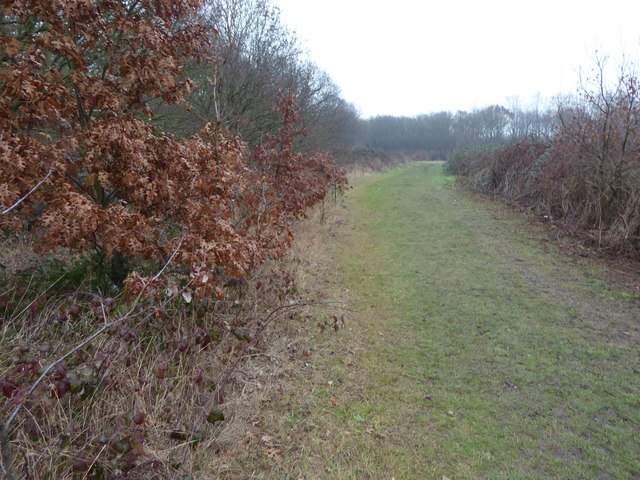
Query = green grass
x=476 y=353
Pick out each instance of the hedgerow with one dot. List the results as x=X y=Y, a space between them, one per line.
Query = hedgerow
x=170 y=222
x=587 y=177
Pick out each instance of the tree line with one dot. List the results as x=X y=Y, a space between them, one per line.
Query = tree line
x=438 y=134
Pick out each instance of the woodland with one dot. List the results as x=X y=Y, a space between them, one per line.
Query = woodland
x=155 y=159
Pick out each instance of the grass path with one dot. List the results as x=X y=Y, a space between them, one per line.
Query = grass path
x=476 y=351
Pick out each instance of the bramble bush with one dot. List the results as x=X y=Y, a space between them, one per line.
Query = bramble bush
x=587 y=177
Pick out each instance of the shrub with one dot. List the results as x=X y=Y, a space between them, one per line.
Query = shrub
x=76 y=85
x=587 y=177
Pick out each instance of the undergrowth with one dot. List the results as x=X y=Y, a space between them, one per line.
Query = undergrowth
x=165 y=391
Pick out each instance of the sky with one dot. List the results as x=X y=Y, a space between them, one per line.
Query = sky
x=408 y=57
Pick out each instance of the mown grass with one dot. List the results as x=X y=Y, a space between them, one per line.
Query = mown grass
x=476 y=352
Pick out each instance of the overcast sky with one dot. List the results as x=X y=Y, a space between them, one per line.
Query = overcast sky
x=406 y=57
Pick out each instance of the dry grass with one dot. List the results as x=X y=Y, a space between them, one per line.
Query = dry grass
x=135 y=403
x=299 y=427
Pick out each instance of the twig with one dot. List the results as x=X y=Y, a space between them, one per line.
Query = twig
x=84 y=477
x=7 y=457
x=226 y=376
x=4 y=212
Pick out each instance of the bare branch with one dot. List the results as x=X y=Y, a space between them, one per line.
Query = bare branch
x=4 y=212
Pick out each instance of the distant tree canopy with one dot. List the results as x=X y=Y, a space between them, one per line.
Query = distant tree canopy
x=440 y=133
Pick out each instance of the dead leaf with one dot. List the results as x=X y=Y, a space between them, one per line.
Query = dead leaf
x=274 y=453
